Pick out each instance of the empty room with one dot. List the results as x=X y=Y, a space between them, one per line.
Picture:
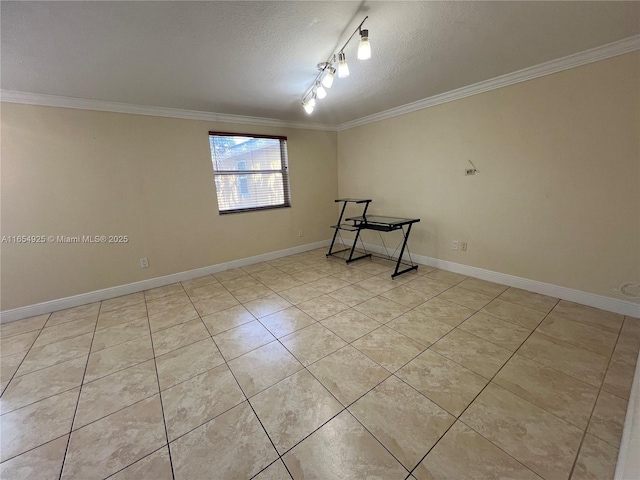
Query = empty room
x=319 y=240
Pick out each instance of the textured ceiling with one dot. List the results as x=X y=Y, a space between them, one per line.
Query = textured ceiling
x=258 y=58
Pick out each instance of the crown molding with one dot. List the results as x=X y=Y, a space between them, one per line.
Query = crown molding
x=603 y=52
x=12 y=96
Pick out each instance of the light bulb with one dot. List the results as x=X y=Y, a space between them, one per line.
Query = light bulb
x=320 y=91
x=364 y=48
x=308 y=108
x=343 y=68
x=312 y=100
x=327 y=81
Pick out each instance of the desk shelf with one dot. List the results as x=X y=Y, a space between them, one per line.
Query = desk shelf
x=345 y=226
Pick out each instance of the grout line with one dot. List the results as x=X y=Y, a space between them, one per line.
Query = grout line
x=75 y=411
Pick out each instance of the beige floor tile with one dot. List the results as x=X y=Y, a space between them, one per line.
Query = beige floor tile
x=322 y=307
x=494 y=330
x=122 y=302
x=42 y=384
x=117 y=358
x=224 y=320
x=239 y=283
x=381 y=309
x=446 y=276
x=312 y=343
x=578 y=334
x=9 y=365
x=612 y=322
x=350 y=324
x=54 y=353
x=462 y=454
x=466 y=298
x=186 y=362
x=348 y=374
x=406 y=296
x=36 y=424
x=193 y=402
x=566 y=358
x=172 y=317
x=373 y=268
x=407 y=423
x=342 y=449
x=424 y=284
x=286 y=321
x=631 y=328
x=596 y=460
x=377 y=284
x=283 y=283
x=58 y=333
x=229 y=274
x=541 y=441
x=42 y=463
x=474 y=353
x=352 y=275
x=309 y=275
x=114 y=392
x=557 y=393
x=75 y=313
x=448 y=384
x=17 y=343
x=607 y=419
x=169 y=339
x=198 y=282
x=165 y=291
x=112 y=336
x=156 y=466
x=619 y=377
x=275 y=471
x=100 y=449
x=121 y=315
x=242 y=339
x=532 y=300
x=300 y=294
x=444 y=311
x=241 y=447
x=388 y=348
x=215 y=304
x=263 y=367
x=205 y=292
x=245 y=295
x=267 y=305
x=293 y=408
x=418 y=326
x=482 y=286
x=258 y=267
x=162 y=304
x=351 y=295
x=517 y=314
x=270 y=274
x=23 y=326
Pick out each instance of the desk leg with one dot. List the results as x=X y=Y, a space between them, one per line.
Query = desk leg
x=404 y=244
x=353 y=248
x=335 y=233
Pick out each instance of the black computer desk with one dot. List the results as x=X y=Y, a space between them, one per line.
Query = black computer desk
x=383 y=224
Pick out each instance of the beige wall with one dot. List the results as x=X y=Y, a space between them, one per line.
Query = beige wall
x=75 y=172
x=557 y=196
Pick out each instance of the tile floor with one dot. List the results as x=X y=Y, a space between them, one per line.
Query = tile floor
x=303 y=367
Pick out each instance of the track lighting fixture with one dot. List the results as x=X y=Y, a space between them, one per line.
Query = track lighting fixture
x=327 y=71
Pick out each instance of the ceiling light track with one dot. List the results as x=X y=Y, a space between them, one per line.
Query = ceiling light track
x=327 y=71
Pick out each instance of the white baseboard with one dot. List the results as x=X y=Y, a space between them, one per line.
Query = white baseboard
x=610 y=304
x=107 y=293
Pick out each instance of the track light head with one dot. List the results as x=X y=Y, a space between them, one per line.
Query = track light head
x=320 y=91
x=364 y=48
x=327 y=81
x=343 y=68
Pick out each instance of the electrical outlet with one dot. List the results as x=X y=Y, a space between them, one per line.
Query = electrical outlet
x=144 y=263
x=454 y=245
x=470 y=171
x=300 y=233
x=463 y=246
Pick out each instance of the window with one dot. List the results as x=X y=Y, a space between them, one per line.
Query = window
x=250 y=171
